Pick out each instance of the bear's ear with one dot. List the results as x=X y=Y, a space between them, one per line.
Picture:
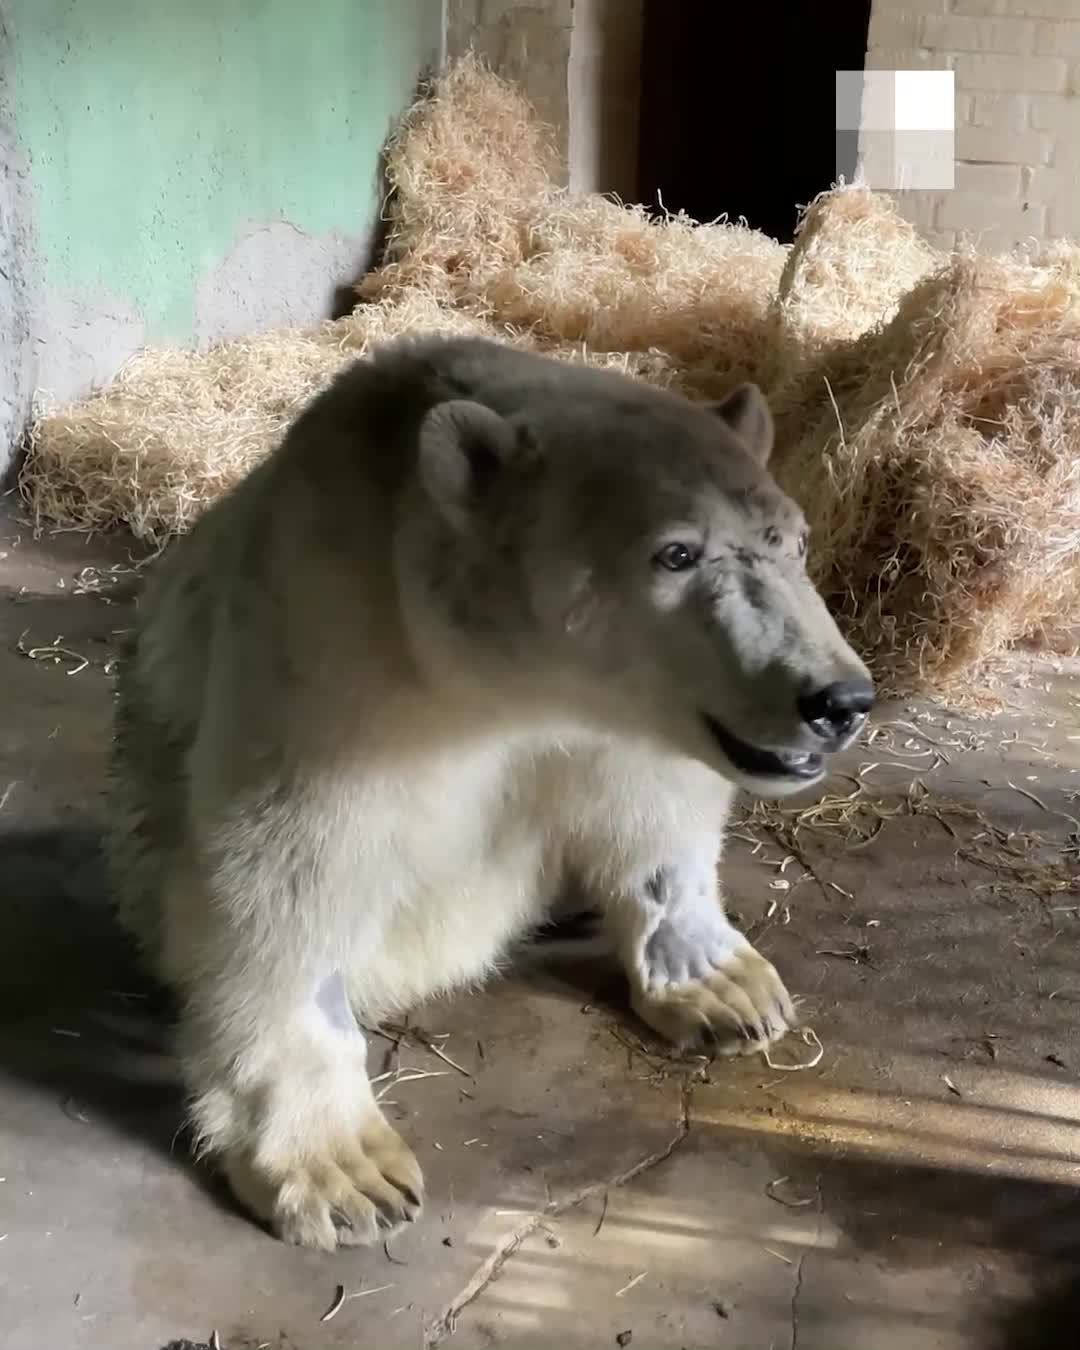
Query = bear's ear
x=463 y=447
x=746 y=412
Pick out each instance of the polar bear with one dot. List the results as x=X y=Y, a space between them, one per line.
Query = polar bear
x=485 y=625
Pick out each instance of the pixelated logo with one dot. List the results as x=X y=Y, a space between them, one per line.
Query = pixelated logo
x=895 y=129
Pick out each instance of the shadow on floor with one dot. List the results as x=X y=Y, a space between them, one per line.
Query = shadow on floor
x=82 y=1024
x=79 y=1021
x=1051 y=1321
x=58 y=937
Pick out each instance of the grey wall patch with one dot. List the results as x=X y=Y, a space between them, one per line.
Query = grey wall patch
x=16 y=349
x=277 y=275
x=83 y=340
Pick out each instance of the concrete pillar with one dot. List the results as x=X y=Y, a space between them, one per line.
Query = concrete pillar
x=578 y=62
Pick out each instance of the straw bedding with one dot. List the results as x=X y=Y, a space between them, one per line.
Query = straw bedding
x=175 y=429
x=928 y=405
x=938 y=459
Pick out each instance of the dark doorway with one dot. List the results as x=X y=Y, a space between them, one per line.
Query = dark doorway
x=738 y=107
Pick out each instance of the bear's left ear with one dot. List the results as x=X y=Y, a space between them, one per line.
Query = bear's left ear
x=463 y=447
x=746 y=412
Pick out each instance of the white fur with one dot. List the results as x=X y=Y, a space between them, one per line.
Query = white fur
x=425 y=878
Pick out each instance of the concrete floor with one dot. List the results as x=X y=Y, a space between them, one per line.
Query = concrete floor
x=918 y=1189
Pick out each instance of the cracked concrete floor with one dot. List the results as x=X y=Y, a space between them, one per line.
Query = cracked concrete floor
x=918 y=1189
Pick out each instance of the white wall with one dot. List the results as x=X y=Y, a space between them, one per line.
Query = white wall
x=1017 y=65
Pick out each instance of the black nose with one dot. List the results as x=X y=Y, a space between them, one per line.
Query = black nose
x=835 y=711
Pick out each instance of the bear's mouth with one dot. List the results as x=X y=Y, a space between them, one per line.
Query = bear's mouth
x=758 y=763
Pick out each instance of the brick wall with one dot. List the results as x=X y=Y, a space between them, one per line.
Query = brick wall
x=1017 y=65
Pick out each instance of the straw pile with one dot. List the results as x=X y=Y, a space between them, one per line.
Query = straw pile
x=928 y=405
x=466 y=167
x=939 y=464
x=176 y=429
x=477 y=221
x=854 y=260
x=616 y=279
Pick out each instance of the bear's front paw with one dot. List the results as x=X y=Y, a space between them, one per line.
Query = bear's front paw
x=727 y=997
x=354 y=1192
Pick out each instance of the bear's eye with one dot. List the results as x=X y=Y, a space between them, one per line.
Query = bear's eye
x=804 y=543
x=677 y=557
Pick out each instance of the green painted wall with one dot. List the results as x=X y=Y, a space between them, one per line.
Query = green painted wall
x=159 y=131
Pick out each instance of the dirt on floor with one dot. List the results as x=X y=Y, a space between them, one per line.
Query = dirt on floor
x=906 y=1178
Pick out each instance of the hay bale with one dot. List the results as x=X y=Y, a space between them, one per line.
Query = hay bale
x=853 y=261
x=175 y=429
x=465 y=168
x=616 y=279
x=409 y=311
x=478 y=221
x=940 y=469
